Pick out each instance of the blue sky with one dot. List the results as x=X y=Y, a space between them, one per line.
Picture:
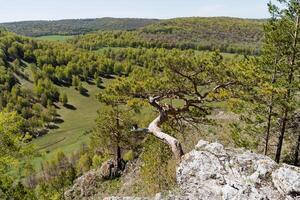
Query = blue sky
x=18 y=10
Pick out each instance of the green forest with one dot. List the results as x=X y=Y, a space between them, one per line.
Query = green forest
x=111 y=93
x=229 y=35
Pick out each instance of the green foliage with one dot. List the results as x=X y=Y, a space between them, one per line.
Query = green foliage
x=64 y=99
x=180 y=77
x=112 y=130
x=98 y=82
x=81 y=89
x=98 y=160
x=270 y=102
x=75 y=81
x=84 y=164
x=129 y=155
x=240 y=138
x=57 y=175
x=12 y=150
x=227 y=34
x=158 y=169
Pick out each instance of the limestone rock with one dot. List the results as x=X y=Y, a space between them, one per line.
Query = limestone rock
x=213 y=172
x=85 y=186
x=109 y=169
x=287 y=180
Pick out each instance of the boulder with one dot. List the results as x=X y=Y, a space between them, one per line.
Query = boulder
x=212 y=172
x=84 y=186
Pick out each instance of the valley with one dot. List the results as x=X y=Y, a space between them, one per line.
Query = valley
x=91 y=108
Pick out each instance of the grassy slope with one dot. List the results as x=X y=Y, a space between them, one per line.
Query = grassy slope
x=73 y=131
x=55 y=37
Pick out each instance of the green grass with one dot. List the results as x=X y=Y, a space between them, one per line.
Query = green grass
x=76 y=127
x=77 y=122
x=55 y=37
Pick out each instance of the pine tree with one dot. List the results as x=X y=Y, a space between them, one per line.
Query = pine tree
x=64 y=99
x=286 y=21
x=182 y=77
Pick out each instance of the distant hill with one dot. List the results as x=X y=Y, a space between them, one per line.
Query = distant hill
x=197 y=29
x=75 y=26
x=232 y=35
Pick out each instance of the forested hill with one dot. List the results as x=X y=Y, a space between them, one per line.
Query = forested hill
x=230 y=35
x=75 y=26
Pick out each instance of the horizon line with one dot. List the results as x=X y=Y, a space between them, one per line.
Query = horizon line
x=145 y=18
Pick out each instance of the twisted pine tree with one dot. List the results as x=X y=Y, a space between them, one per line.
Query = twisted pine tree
x=194 y=81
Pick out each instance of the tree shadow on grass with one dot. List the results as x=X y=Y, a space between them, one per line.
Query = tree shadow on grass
x=56 y=106
x=41 y=132
x=90 y=81
x=85 y=92
x=58 y=121
x=70 y=107
x=52 y=126
x=101 y=87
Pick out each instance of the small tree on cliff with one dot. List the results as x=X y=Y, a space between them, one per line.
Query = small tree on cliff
x=113 y=131
x=194 y=81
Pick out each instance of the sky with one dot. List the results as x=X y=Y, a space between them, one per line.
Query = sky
x=23 y=10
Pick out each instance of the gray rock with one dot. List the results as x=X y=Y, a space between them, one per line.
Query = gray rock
x=84 y=186
x=212 y=172
x=287 y=180
x=126 y=198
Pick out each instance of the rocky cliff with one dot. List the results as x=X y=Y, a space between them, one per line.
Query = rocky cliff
x=212 y=172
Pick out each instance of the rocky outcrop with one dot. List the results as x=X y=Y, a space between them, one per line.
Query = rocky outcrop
x=212 y=172
x=86 y=185
x=287 y=180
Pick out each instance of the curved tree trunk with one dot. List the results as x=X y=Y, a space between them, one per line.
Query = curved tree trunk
x=155 y=129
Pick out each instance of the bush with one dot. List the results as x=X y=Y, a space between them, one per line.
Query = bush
x=129 y=155
x=97 y=161
x=158 y=170
x=81 y=89
x=64 y=98
x=84 y=164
